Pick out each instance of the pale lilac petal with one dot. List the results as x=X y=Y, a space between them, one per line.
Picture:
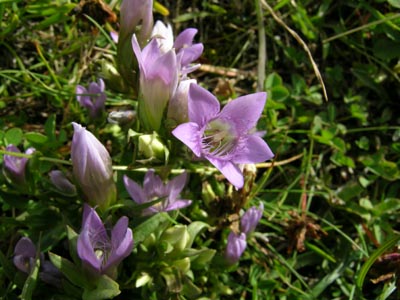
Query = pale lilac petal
x=150 y=54
x=79 y=90
x=153 y=186
x=202 y=105
x=244 y=111
x=121 y=243
x=15 y=166
x=185 y=38
x=135 y=191
x=251 y=218
x=92 y=231
x=191 y=54
x=256 y=150
x=138 y=52
x=114 y=36
x=61 y=182
x=176 y=185
x=86 y=252
x=25 y=255
x=231 y=172
x=188 y=133
x=178 y=104
x=92 y=167
x=235 y=247
x=178 y=204
x=94 y=89
x=164 y=36
x=134 y=13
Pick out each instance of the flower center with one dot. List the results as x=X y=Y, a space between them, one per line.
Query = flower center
x=218 y=138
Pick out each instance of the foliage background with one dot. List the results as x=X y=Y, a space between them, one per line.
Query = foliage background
x=331 y=194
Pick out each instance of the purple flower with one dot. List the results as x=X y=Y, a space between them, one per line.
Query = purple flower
x=158 y=81
x=186 y=51
x=100 y=251
x=134 y=13
x=154 y=188
x=92 y=168
x=136 y=18
x=226 y=138
x=235 y=247
x=24 y=255
x=251 y=218
x=62 y=183
x=178 y=105
x=92 y=98
x=14 y=166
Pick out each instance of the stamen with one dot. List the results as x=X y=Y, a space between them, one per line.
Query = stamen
x=218 y=138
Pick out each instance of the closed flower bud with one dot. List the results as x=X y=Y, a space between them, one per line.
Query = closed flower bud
x=178 y=105
x=235 y=247
x=62 y=183
x=150 y=146
x=251 y=218
x=177 y=236
x=92 y=168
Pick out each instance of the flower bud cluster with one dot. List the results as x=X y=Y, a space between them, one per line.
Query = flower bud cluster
x=237 y=242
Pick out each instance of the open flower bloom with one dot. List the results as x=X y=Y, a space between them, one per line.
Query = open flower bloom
x=251 y=218
x=154 y=189
x=93 y=98
x=235 y=247
x=226 y=138
x=14 y=166
x=186 y=51
x=92 y=167
x=99 y=250
x=158 y=81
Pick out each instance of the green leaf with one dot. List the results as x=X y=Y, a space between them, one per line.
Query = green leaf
x=143 y=230
x=14 y=136
x=370 y=261
x=50 y=128
x=71 y=271
x=31 y=281
x=194 y=228
x=380 y=166
x=36 y=138
x=272 y=80
x=279 y=93
x=394 y=3
x=106 y=289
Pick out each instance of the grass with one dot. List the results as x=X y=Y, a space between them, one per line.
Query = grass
x=331 y=219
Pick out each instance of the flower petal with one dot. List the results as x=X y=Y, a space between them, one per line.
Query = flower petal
x=231 y=172
x=185 y=38
x=244 y=111
x=135 y=191
x=25 y=248
x=121 y=243
x=177 y=204
x=175 y=186
x=255 y=151
x=202 y=105
x=188 y=133
x=191 y=53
